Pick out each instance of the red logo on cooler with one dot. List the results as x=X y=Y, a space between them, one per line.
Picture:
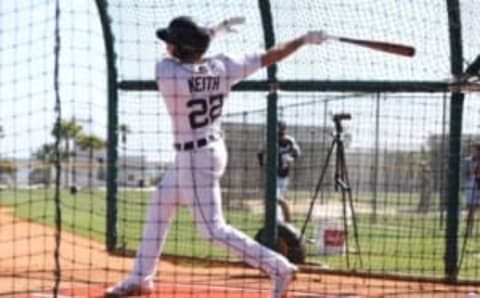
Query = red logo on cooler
x=333 y=238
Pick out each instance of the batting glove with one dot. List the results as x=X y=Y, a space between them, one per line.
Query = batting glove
x=228 y=25
x=315 y=37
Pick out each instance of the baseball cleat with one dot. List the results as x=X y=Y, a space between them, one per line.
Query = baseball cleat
x=281 y=282
x=125 y=289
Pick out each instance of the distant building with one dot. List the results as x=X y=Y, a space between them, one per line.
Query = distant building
x=133 y=170
x=369 y=171
x=245 y=179
x=85 y=169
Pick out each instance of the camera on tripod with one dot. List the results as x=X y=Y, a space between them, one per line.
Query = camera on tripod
x=337 y=118
x=341 y=116
x=337 y=149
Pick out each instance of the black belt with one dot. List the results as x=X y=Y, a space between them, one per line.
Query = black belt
x=195 y=144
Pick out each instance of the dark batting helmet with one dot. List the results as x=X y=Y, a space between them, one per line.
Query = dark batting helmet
x=186 y=34
x=282 y=125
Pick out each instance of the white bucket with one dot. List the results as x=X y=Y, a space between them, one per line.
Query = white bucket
x=329 y=231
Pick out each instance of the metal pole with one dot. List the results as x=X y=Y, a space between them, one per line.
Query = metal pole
x=112 y=148
x=271 y=162
x=376 y=160
x=456 y=115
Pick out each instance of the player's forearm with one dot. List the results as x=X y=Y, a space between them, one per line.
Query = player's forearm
x=281 y=51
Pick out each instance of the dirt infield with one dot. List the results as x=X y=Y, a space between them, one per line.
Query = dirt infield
x=27 y=270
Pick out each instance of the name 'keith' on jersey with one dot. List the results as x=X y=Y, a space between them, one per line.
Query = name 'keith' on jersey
x=194 y=94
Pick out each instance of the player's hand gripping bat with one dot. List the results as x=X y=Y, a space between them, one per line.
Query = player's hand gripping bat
x=387 y=47
x=227 y=25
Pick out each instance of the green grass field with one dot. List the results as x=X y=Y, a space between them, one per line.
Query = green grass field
x=405 y=243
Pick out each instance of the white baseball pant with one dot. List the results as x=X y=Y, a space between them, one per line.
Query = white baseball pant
x=194 y=180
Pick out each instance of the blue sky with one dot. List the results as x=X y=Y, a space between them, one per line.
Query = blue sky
x=26 y=72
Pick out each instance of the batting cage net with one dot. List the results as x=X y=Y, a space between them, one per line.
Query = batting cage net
x=355 y=160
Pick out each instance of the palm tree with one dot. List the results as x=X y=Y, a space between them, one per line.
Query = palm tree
x=67 y=131
x=124 y=131
x=46 y=155
x=91 y=143
x=9 y=169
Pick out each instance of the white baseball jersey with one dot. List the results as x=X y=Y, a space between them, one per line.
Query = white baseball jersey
x=195 y=93
x=288 y=149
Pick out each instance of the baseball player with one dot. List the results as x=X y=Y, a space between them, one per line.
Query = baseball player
x=472 y=185
x=288 y=152
x=195 y=89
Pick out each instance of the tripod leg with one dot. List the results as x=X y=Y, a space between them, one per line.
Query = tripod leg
x=344 y=183
x=317 y=187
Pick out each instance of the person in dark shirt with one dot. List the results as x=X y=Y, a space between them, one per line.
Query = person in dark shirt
x=288 y=152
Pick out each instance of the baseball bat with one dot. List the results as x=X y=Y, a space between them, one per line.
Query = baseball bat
x=474 y=68
x=392 y=48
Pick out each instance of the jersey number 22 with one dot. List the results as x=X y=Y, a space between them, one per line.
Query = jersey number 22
x=204 y=110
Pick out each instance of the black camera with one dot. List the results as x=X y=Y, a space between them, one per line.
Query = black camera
x=341 y=116
x=337 y=118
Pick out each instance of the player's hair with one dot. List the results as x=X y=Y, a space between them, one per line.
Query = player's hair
x=186 y=55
